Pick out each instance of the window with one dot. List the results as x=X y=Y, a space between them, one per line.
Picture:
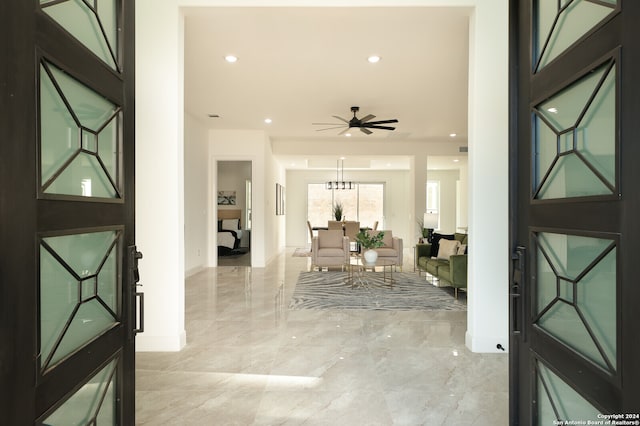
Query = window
x=365 y=203
x=433 y=198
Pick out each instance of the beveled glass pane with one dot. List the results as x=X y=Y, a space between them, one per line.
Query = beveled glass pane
x=547 y=283
x=89 y=141
x=88 y=289
x=573 y=21
x=596 y=133
x=589 y=327
x=83 y=23
x=581 y=161
x=91 y=109
x=108 y=146
x=596 y=299
x=571 y=254
x=83 y=177
x=86 y=121
x=96 y=398
x=90 y=320
x=108 y=282
x=83 y=252
x=566 y=290
x=67 y=313
x=563 y=109
x=59 y=132
x=570 y=404
x=58 y=297
x=563 y=322
x=571 y=177
x=546 y=147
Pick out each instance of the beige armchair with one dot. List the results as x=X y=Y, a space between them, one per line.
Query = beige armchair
x=330 y=248
x=392 y=247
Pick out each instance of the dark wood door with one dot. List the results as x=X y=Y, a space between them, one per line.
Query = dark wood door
x=67 y=255
x=575 y=141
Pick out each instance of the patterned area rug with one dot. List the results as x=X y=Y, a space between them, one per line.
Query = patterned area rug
x=302 y=252
x=330 y=290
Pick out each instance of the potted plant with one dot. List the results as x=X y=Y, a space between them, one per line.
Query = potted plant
x=370 y=241
x=423 y=231
x=338 y=210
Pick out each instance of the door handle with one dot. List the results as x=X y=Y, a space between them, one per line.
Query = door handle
x=518 y=280
x=137 y=309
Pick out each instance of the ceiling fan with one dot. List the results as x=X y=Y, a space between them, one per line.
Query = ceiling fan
x=364 y=123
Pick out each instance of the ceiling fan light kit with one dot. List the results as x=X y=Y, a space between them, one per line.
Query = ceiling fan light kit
x=364 y=123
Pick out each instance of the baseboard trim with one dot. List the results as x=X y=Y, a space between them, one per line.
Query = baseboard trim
x=147 y=343
x=486 y=344
x=193 y=271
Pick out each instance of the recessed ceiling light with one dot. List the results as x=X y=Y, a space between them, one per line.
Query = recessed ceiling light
x=267 y=120
x=373 y=59
x=456 y=160
x=348 y=135
x=453 y=135
x=231 y=58
x=553 y=110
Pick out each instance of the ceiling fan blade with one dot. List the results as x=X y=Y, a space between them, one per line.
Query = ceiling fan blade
x=340 y=118
x=380 y=122
x=328 y=124
x=330 y=128
x=365 y=130
x=344 y=131
x=367 y=118
x=380 y=127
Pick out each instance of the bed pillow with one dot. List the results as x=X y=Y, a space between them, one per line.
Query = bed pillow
x=231 y=224
x=447 y=248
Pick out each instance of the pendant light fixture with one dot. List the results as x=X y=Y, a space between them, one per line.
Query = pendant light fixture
x=340 y=184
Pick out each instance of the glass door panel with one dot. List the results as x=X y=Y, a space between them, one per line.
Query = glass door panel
x=93 y=404
x=559 y=403
x=79 y=292
x=80 y=138
x=562 y=23
x=94 y=24
x=575 y=138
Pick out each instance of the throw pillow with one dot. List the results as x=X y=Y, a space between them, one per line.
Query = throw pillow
x=435 y=240
x=462 y=249
x=447 y=248
x=231 y=224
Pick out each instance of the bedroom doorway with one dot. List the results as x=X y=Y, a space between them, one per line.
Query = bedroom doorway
x=234 y=213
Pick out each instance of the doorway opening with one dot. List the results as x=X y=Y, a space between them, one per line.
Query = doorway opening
x=233 y=199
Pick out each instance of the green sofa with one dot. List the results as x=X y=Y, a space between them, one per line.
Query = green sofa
x=449 y=273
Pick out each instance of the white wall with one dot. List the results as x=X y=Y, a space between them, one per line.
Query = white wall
x=488 y=307
x=267 y=232
x=398 y=198
x=160 y=174
x=196 y=148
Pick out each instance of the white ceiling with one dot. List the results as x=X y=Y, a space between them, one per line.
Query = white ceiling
x=301 y=65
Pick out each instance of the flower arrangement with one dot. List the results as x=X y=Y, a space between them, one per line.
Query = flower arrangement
x=369 y=241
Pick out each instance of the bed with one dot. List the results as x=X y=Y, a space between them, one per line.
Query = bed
x=230 y=233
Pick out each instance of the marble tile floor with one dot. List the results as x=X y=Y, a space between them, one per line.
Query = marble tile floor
x=251 y=361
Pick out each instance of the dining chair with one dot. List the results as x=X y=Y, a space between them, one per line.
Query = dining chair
x=334 y=225
x=351 y=229
x=310 y=231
